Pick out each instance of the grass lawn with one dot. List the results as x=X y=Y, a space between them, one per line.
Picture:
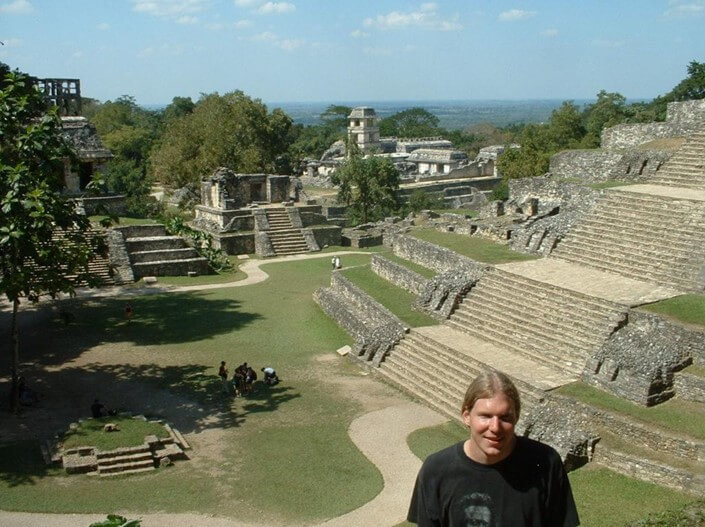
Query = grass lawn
x=224 y=277
x=132 y=433
x=125 y=220
x=420 y=269
x=473 y=247
x=628 y=499
x=284 y=454
x=397 y=300
x=696 y=369
x=686 y=417
x=689 y=309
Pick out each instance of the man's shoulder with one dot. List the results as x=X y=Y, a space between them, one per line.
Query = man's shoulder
x=443 y=457
x=536 y=449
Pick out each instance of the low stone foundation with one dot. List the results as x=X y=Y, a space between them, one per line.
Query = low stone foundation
x=398 y=275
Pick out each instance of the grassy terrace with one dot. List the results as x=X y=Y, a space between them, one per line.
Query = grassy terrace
x=684 y=416
x=423 y=271
x=124 y=220
x=476 y=248
x=390 y=296
x=132 y=433
x=688 y=309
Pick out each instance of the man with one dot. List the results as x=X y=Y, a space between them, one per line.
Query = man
x=494 y=478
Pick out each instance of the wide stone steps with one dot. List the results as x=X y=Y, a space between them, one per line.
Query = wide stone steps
x=162 y=255
x=680 y=183
x=171 y=267
x=661 y=261
x=153 y=243
x=137 y=460
x=584 y=306
x=543 y=319
x=646 y=213
x=597 y=262
x=652 y=241
x=528 y=343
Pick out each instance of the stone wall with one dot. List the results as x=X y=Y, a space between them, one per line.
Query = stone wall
x=118 y=257
x=263 y=245
x=690 y=387
x=638 y=360
x=398 y=275
x=93 y=205
x=235 y=243
x=214 y=220
x=592 y=166
x=327 y=235
x=687 y=113
x=428 y=254
x=629 y=135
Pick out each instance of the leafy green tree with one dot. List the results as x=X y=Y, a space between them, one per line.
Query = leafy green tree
x=692 y=87
x=336 y=116
x=44 y=246
x=413 y=122
x=609 y=110
x=179 y=107
x=311 y=141
x=367 y=187
x=231 y=130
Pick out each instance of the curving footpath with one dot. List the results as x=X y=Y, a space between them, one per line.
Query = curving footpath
x=380 y=435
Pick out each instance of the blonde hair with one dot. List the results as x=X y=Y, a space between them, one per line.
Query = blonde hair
x=489 y=384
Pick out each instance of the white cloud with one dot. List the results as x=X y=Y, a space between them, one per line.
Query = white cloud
x=289 y=44
x=358 y=33
x=515 y=14
x=606 y=43
x=377 y=52
x=247 y=3
x=242 y=24
x=265 y=36
x=169 y=8
x=104 y=26
x=549 y=33
x=689 y=8
x=286 y=44
x=187 y=20
x=425 y=17
x=12 y=42
x=277 y=8
x=18 y=7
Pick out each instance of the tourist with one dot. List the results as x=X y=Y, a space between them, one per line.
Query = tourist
x=494 y=477
x=250 y=378
x=223 y=374
x=128 y=312
x=337 y=264
x=238 y=383
x=270 y=376
x=98 y=410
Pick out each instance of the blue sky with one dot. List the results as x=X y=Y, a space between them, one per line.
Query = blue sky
x=330 y=50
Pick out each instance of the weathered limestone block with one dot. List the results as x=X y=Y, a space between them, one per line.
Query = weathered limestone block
x=261 y=221
x=263 y=245
x=443 y=292
x=119 y=257
x=398 y=274
x=638 y=361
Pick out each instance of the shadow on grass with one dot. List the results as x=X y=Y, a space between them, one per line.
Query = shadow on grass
x=157 y=320
x=21 y=463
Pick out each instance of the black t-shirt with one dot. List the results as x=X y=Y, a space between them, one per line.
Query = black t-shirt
x=527 y=489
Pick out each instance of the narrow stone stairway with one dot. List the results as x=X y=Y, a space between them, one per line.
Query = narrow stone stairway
x=285 y=238
x=687 y=166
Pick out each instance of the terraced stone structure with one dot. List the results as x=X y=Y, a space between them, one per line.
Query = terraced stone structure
x=573 y=315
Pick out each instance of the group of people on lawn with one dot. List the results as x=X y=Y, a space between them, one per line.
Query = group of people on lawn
x=244 y=378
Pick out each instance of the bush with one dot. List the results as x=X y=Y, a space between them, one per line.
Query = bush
x=201 y=241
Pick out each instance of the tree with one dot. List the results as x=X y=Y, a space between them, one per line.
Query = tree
x=609 y=110
x=44 y=246
x=367 y=187
x=413 y=122
x=231 y=130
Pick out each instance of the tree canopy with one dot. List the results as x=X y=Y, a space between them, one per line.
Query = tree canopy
x=44 y=247
x=413 y=122
x=230 y=130
x=367 y=186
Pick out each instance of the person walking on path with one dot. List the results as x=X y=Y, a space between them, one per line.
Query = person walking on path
x=494 y=478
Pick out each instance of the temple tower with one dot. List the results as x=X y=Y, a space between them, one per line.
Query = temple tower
x=363 y=129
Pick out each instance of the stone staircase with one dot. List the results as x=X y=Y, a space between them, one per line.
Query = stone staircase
x=687 y=166
x=125 y=461
x=545 y=323
x=433 y=370
x=285 y=238
x=153 y=252
x=643 y=236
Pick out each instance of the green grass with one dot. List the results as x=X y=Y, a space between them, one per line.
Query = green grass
x=420 y=269
x=689 y=309
x=132 y=433
x=609 y=184
x=686 y=417
x=426 y=441
x=285 y=455
x=478 y=249
x=397 y=300
x=696 y=369
x=125 y=220
x=607 y=499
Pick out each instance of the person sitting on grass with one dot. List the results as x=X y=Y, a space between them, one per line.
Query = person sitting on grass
x=98 y=410
x=270 y=376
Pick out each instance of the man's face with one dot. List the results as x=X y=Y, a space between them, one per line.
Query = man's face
x=491 y=422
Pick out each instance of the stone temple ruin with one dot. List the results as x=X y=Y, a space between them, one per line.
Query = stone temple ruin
x=572 y=314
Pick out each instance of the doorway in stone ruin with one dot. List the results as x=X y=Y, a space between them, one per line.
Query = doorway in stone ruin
x=258 y=192
x=85 y=174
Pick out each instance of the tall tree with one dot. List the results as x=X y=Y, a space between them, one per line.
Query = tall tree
x=231 y=130
x=44 y=246
x=413 y=122
x=367 y=186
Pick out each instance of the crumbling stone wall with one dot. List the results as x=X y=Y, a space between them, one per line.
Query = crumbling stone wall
x=638 y=361
x=444 y=292
x=398 y=274
x=690 y=387
x=428 y=254
x=593 y=166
